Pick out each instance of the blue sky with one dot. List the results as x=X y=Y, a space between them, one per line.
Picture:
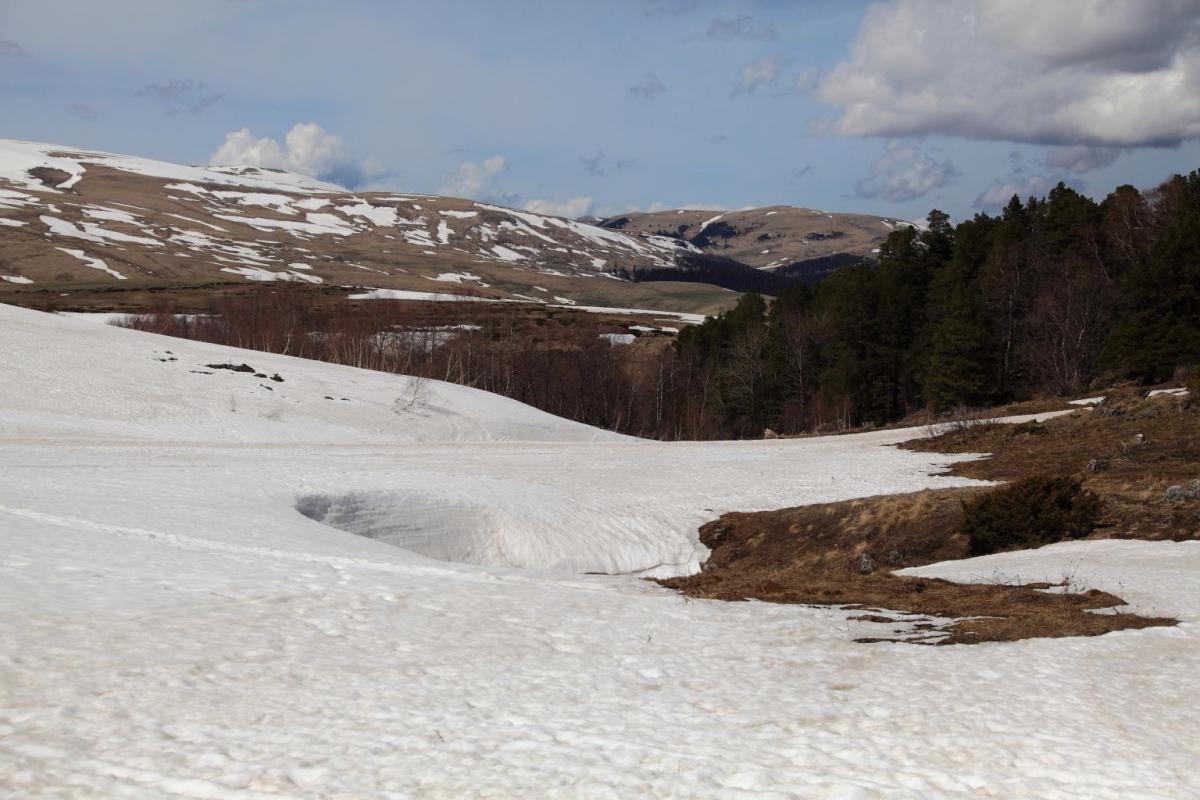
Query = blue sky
x=891 y=108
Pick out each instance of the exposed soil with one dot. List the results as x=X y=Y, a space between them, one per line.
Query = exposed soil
x=843 y=553
x=840 y=554
x=1128 y=450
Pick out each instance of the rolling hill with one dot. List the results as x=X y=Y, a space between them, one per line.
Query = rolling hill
x=80 y=220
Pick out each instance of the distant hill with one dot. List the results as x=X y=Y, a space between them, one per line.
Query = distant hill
x=75 y=218
x=771 y=238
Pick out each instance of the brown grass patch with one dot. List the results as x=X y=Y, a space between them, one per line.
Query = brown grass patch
x=1128 y=451
x=842 y=554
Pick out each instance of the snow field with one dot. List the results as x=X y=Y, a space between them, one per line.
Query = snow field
x=176 y=627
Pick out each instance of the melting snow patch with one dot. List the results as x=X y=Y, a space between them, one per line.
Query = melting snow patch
x=198 y=222
x=505 y=254
x=92 y=232
x=406 y=294
x=112 y=215
x=316 y=225
x=266 y=275
x=94 y=263
x=378 y=215
x=454 y=277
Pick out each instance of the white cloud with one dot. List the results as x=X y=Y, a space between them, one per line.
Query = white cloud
x=761 y=73
x=575 y=207
x=240 y=147
x=307 y=149
x=1099 y=72
x=1081 y=157
x=905 y=172
x=478 y=180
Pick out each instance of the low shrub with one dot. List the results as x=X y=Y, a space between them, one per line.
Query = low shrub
x=1029 y=513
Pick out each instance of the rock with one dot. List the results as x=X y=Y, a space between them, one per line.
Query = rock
x=866 y=564
x=717 y=534
x=1174 y=495
x=1140 y=439
x=1096 y=465
x=769 y=434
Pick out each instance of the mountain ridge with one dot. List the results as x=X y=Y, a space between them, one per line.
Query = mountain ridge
x=73 y=217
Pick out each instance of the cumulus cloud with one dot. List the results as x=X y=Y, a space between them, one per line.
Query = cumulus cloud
x=754 y=76
x=10 y=49
x=649 y=87
x=599 y=164
x=479 y=180
x=307 y=148
x=181 y=96
x=905 y=172
x=1098 y=72
x=575 y=207
x=740 y=28
x=1080 y=158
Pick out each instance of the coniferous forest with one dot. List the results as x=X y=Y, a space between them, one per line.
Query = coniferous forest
x=1048 y=297
x=1053 y=296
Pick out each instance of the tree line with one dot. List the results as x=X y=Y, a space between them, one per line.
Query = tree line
x=1046 y=298
x=1049 y=297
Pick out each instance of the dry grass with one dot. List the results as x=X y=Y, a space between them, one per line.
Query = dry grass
x=842 y=554
x=1127 y=451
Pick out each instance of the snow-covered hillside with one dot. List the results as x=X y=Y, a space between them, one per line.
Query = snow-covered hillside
x=179 y=620
x=71 y=216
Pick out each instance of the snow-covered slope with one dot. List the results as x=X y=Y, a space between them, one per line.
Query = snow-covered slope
x=174 y=626
x=99 y=382
x=84 y=217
